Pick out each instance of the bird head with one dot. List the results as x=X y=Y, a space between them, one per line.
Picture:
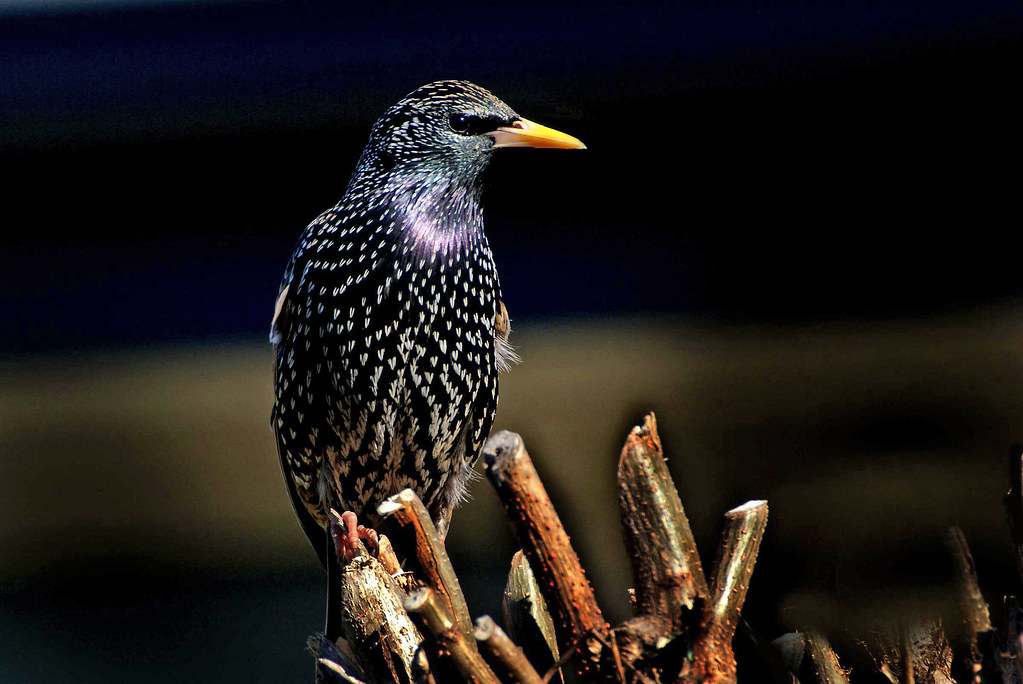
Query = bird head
x=451 y=128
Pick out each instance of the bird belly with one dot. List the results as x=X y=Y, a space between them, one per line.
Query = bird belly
x=404 y=406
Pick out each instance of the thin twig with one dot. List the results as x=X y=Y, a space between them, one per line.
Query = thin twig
x=616 y=654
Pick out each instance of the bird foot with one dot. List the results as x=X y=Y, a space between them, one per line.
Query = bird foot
x=347 y=533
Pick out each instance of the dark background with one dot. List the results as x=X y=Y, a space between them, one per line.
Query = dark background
x=793 y=235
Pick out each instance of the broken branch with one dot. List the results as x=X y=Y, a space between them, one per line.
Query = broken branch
x=665 y=561
x=506 y=659
x=412 y=531
x=450 y=644
x=543 y=539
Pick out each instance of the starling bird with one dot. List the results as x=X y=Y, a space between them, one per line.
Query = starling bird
x=389 y=329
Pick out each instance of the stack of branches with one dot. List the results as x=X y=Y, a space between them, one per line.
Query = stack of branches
x=924 y=650
x=414 y=626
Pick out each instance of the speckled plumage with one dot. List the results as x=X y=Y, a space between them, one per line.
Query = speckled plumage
x=387 y=333
x=389 y=329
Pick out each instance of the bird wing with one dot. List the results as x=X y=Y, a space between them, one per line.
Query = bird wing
x=485 y=408
x=279 y=321
x=314 y=530
x=504 y=352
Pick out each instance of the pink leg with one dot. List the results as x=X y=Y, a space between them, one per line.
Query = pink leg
x=348 y=532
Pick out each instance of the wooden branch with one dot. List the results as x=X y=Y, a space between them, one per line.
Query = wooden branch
x=825 y=661
x=737 y=554
x=375 y=623
x=714 y=658
x=972 y=605
x=449 y=642
x=385 y=554
x=665 y=561
x=414 y=533
x=682 y=630
x=543 y=539
x=505 y=658
x=971 y=601
x=526 y=616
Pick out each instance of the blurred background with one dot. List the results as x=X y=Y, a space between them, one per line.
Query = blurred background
x=791 y=237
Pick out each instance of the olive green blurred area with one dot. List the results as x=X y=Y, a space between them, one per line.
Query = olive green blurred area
x=145 y=529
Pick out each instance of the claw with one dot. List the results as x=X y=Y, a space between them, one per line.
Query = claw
x=347 y=533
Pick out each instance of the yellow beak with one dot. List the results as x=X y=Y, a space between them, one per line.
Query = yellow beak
x=525 y=133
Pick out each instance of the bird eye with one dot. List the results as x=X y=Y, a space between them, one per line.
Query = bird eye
x=472 y=124
x=461 y=123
